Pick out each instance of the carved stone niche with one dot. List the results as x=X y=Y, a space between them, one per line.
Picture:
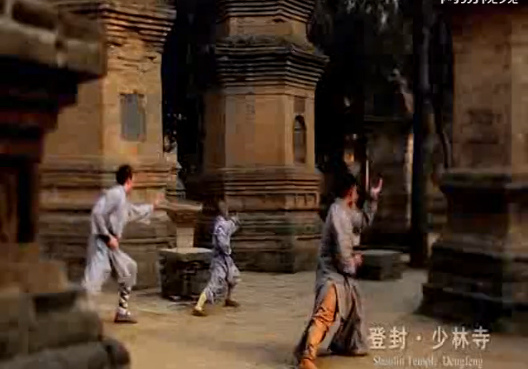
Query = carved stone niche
x=43 y=57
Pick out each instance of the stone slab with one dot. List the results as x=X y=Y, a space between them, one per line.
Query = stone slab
x=186 y=255
x=381 y=265
x=85 y=356
x=57 y=301
x=184 y=272
x=61 y=329
x=33 y=322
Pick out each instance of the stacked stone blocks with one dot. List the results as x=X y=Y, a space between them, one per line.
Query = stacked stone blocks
x=116 y=120
x=259 y=142
x=43 y=321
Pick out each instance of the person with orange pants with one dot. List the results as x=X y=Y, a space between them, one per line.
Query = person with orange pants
x=337 y=296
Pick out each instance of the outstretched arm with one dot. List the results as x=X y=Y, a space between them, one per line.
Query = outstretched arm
x=142 y=213
x=370 y=207
x=236 y=224
x=139 y=213
x=367 y=214
x=128 y=212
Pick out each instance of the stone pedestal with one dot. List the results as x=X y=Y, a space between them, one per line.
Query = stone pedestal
x=175 y=190
x=184 y=272
x=479 y=266
x=43 y=323
x=381 y=265
x=259 y=134
x=184 y=214
x=117 y=120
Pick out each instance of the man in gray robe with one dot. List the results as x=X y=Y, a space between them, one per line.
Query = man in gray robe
x=224 y=273
x=337 y=297
x=109 y=216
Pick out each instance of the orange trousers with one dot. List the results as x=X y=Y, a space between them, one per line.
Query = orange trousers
x=321 y=322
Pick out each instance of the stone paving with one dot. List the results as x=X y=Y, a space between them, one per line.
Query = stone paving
x=275 y=308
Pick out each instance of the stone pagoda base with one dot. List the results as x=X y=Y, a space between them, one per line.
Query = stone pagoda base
x=44 y=322
x=41 y=330
x=479 y=266
x=184 y=272
x=381 y=265
x=280 y=228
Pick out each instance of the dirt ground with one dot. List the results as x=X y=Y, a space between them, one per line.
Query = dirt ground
x=275 y=308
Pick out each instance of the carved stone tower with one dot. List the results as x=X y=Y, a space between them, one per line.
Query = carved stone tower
x=259 y=132
x=117 y=120
x=44 y=322
x=479 y=265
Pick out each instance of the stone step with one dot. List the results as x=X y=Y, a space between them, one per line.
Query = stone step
x=92 y=355
x=381 y=265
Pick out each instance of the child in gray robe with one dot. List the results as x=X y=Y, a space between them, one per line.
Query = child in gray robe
x=224 y=273
x=109 y=216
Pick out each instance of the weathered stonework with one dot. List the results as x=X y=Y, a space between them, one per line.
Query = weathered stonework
x=183 y=213
x=381 y=265
x=479 y=266
x=40 y=330
x=116 y=120
x=259 y=142
x=184 y=271
x=390 y=154
x=281 y=228
x=44 y=56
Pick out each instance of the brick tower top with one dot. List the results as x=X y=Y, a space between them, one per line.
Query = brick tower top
x=151 y=19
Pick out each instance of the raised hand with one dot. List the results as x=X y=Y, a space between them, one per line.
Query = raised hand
x=375 y=191
x=158 y=200
x=235 y=219
x=358 y=259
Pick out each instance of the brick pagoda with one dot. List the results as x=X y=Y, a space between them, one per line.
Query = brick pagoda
x=117 y=120
x=44 y=56
x=259 y=141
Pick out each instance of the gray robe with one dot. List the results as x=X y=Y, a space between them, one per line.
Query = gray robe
x=341 y=233
x=224 y=272
x=109 y=216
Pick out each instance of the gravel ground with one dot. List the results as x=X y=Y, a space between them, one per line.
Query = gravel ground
x=275 y=308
